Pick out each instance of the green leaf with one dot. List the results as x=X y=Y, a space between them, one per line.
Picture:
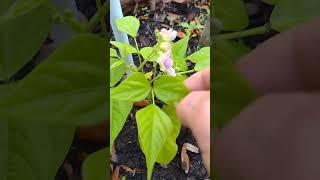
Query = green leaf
x=154 y=127
x=119 y=113
x=201 y=58
x=17 y=45
x=202 y=55
x=169 y=151
x=232 y=14
x=4 y=5
x=287 y=14
x=135 y=88
x=26 y=149
x=150 y=53
x=117 y=70
x=67 y=88
x=124 y=48
x=179 y=50
x=271 y=2
x=96 y=166
x=113 y=53
x=22 y=7
x=170 y=89
x=129 y=25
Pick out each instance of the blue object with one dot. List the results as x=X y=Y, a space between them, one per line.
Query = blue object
x=116 y=13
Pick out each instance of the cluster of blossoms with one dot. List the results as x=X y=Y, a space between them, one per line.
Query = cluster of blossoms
x=165 y=61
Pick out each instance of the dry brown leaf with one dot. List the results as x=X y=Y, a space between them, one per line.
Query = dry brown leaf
x=144 y=18
x=192 y=148
x=185 y=159
x=181 y=34
x=132 y=171
x=115 y=173
x=114 y=156
x=142 y=103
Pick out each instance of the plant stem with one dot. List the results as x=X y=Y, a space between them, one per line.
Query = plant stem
x=250 y=32
x=152 y=92
x=186 y=72
x=94 y=21
x=102 y=19
x=145 y=61
x=137 y=47
x=155 y=69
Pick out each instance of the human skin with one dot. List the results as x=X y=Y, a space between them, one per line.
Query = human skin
x=194 y=111
x=277 y=135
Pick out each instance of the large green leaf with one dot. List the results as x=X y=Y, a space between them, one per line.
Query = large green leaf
x=170 y=89
x=95 y=167
x=135 y=88
x=232 y=14
x=154 y=127
x=128 y=24
x=169 y=151
x=124 y=48
x=201 y=58
x=179 y=50
x=149 y=53
x=21 y=38
x=119 y=113
x=287 y=13
x=22 y=7
x=67 y=88
x=32 y=151
x=4 y=6
x=117 y=70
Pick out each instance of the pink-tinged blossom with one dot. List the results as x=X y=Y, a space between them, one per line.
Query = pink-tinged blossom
x=168 y=35
x=166 y=63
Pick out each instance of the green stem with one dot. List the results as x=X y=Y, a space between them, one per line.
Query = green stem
x=102 y=19
x=137 y=47
x=152 y=92
x=155 y=64
x=94 y=21
x=186 y=72
x=250 y=32
x=145 y=61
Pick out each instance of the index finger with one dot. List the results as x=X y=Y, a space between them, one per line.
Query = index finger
x=199 y=81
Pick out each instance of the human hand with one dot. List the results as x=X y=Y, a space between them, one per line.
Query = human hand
x=194 y=111
x=277 y=136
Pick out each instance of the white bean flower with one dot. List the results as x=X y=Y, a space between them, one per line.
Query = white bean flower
x=166 y=63
x=168 y=35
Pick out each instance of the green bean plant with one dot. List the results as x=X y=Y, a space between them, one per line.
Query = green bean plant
x=40 y=112
x=162 y=86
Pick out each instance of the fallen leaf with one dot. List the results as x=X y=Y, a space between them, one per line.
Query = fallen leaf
x=132 y=171
x=185 y=159
x=192 y=148
x=181 y=34
x=114 y=156
x=143 y=17
x=142 y=103
x=68 y=169
x=115 y=173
